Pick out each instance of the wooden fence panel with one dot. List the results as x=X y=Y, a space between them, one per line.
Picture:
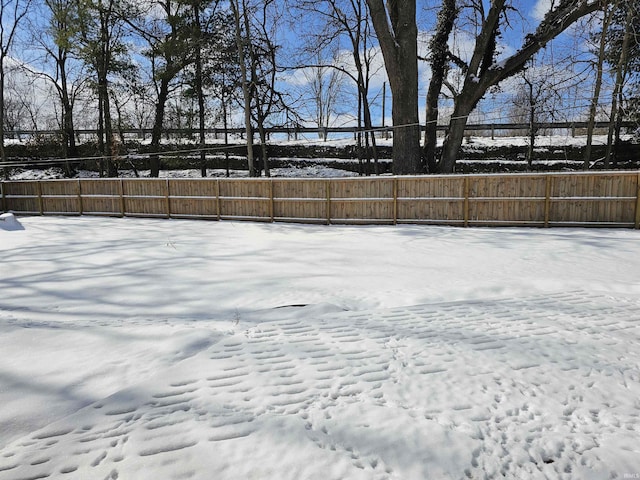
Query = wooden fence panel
x=598 y=198
x=515 y=199
x=431 y=199
x=591 y=211
x=245 y=199
x=101 y=197
x=193 y=198
x=145 y=197
x=368 y=200
x=594 y=185
x=22 y=196
x=60 y=197
x=301 y=200
x=558 y=199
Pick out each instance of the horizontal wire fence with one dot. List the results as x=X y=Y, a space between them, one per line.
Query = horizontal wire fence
x=607 y=199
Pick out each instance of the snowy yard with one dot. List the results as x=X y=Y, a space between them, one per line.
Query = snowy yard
x=166 y=349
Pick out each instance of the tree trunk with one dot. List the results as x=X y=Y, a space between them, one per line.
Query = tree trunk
x=226 y=132
x=246 y=94
x=397 y=33
x=200 y=90
x=68 y=131
x=263 y=147
x=439 y=60
x=156 y=132
x=464 y=105
x=112 y=169
x=598 y=83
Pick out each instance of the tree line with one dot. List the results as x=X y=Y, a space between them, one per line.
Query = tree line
x=198 y=63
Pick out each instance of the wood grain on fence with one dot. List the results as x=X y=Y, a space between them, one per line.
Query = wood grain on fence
x=547 y=199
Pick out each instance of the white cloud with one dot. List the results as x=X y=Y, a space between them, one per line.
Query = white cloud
x=541 y=8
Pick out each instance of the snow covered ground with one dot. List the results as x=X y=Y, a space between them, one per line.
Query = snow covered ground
x=168 y=349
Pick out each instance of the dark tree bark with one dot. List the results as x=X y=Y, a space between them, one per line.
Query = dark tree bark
x=156 y=132
x=439 y=66
x=397 y=32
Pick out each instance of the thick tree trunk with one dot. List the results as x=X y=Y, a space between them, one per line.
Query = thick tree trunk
x=112 y=169
x=455 y=133
x=397 y=33
x=439 y=63
x=67 y=109
x=156 y=132
x=406 y=132
x=431 y=123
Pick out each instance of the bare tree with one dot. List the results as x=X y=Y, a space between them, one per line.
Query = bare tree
x=340 y=22
x=100 y=46
x=484 y=72
x=165 y=26
x=326 y=86
x=12 y=12
x=256 y=26
x=607 y=16
x=537 y=94
x=245 y=81
x=629 y=38
x=54 y=37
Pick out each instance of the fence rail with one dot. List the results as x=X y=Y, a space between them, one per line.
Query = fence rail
x=610 y=199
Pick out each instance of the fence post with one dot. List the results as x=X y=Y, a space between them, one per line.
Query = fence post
x=218 y=198
x=80 y=208
x=638 y=203
x=4 y=197
x=466 y=201
x=395 y=200
x=271 y=199
x=328 y=207
x=547 y=200
x=122 y=206
x=40 y=205
x=168 y=198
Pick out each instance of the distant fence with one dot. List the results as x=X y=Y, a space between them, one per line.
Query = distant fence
x=609 y=199
x=294 y=131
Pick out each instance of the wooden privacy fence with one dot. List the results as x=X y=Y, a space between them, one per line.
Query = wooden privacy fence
x=610 y=199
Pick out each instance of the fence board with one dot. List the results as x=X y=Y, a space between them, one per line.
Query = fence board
x=552 y=199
